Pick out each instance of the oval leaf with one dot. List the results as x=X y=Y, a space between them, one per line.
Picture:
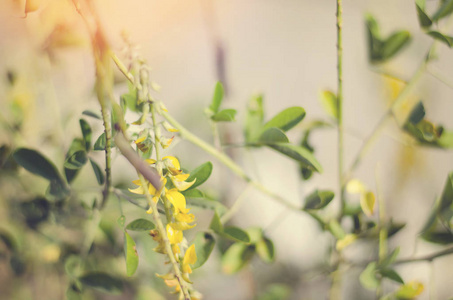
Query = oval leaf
x=265 y=250
x=97 y=171
x=444 y=10
x=36 y=163
x=318 y=199
x=91 y=114
x=410 y=290
x=217 y=97
x=87 y=133
x=76 y=160
x=299 y=154
x=140 y=225
x=254 y=118
x=131 y=254
x=368 y=278
x=236 y=257
x=329 y=102
x=204 y=243
x=367 y=203
x=102 y=282
x=272 y=136
x=201 y=174
x=235 y=234
x=392 y=275
x=286 y=119
x=447 y=40
x=423 y=18
x=395 y=43
x=225 y=115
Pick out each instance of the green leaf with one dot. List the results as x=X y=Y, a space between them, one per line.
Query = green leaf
x=91 y=114
x=97 y=171
x=299 y=154
x=201 y=174
x=444 y=10
x=77 y=144
x=99 y=145
x=217 y=98
x=390 y=258
x=410 y=290
x=448 y=40
x=265 y=250
x=286 y=119
x=329 y=102
x=368 y=278
x=129 y=101
x=276 y=291
x=87 y=133
x=216 y=225
x=72 y=265
x=273 y=135
x=423 y=18
x=36 y=163
x=236 y=257
x=254 y=118
x=417 y=113
x=318 y=199
x=374 y=39
x=102 y=282
x=140 y=225
x=131 y=254
x=395 y=43
x=73 y=294
x=204 y=243
x=76 y=160
x=194 y=193
x=235 y=234
x=446 y=200
x=392 y=275
x=225 y=115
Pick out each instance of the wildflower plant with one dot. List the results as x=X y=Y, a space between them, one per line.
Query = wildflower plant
x=171 y=197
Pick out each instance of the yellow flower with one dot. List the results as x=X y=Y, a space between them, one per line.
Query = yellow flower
x=151 y=189
x=177 y=199
x=190 y=258
x=158 y=238
x=174 y=235
x=175 y=173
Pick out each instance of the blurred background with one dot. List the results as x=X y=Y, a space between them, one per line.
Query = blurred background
x=284 y=50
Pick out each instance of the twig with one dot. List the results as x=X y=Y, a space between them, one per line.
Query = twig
x=428 y=258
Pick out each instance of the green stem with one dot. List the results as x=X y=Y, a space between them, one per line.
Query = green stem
x=163 y=234
x=368 y=143
x=167 y=204
x=340 y=101
x=108 y=153
x=428 y=258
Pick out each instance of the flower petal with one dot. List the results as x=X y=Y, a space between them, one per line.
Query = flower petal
x=176 y=198
x=174 y=161
x=174 y=236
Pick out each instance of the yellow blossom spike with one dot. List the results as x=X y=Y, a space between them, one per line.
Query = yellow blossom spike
x=168 y=276
x=138 y=190
x=139 y=140
x=174 y=161
x=151 y=189
x=150 y=210
x=176 y=250
x=176 y=198
x=137 y=182
x=166 y=142
x=174 y=236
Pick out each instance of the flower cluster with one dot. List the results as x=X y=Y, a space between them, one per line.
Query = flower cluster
x=174 y=181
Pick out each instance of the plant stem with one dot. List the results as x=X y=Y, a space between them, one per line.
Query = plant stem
x=428 y=258
x=163 y=234
x=383 y=121
x=235 y=207
x=108 y=153
x=340 y=101
x=159 y=159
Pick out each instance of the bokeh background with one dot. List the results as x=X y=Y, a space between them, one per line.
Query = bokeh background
x=282 y=49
